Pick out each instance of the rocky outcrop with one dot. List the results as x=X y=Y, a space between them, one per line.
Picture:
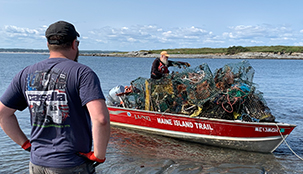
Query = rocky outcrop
x=260 y=55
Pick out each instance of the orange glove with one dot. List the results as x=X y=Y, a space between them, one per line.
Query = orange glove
x=179 y=63
x=27 y=146
x=185 y=63
x=92 y=157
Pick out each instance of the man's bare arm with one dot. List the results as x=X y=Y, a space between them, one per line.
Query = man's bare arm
x=100 y=126
x=10 y=125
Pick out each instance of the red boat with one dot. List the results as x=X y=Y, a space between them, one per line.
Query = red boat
x=235 y=114
x=250 y=136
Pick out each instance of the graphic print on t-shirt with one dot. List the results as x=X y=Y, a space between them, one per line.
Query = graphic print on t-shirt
x=47 y=98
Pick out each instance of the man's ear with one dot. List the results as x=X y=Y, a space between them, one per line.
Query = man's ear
x=74 y=44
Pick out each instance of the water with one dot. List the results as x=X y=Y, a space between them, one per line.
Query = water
x=134 y=152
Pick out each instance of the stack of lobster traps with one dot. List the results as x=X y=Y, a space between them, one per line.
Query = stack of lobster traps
x=228 y=93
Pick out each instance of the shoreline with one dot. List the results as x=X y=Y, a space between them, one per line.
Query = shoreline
x=243 y=55
x=139 y=54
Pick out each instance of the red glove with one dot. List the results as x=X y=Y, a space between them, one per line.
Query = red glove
x=27 y=146
x=91 y=156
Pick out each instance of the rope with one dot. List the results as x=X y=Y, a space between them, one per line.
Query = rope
x=234 y=98
x=287 y=144
x=228 y=102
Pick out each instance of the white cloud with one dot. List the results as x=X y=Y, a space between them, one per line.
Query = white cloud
x=12 y=31
x=18 y=37
x=260 y=31
x=245 y=32
x=131 y=39
x=151 y=36
x=260 y=35
x=256 y=42
x=298 y=44
x=139 y=37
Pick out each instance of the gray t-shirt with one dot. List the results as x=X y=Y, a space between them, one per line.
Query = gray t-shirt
x=56 y=91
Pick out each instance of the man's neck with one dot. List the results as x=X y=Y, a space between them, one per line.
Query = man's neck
x=59 y=54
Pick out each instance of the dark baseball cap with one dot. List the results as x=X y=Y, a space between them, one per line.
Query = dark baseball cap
x=61 y=28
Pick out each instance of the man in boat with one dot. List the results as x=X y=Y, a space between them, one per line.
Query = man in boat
x=160 y=65
x=67 y=109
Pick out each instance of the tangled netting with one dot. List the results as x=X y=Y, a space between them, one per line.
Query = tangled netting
x=229 y=93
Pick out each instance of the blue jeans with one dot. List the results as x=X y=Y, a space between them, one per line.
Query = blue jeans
x=86 y=168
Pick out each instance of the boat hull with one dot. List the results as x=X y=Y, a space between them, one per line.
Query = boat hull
x=249 y=136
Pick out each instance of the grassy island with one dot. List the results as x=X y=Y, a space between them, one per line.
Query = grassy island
x=233 y=50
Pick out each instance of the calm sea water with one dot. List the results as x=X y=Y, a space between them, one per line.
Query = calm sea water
x=134 y=152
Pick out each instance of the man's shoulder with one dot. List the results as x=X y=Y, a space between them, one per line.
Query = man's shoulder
x=60 y=63
x=157 y=59
x=68 y=63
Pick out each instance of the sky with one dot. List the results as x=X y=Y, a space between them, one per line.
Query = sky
x=133 y=25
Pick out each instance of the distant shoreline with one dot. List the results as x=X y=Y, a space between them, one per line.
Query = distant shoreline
x=139 y=54
x=233 y=52
x=22 y=52
x=244 y=55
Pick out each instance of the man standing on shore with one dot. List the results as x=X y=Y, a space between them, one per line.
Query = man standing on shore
x=67 y=108
x=160 y=65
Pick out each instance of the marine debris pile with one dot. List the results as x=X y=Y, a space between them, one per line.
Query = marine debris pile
x=229 y=93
